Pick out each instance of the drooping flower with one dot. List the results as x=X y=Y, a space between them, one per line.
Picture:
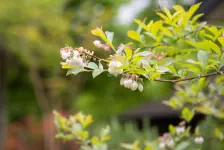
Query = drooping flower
x=131 y=83
x=113 y=65
x=134 y=86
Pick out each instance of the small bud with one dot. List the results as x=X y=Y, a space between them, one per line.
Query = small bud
x=97 y=43
x=106 y=47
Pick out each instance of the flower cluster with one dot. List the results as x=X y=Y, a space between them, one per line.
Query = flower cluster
x=131 y=82
x=166 y=141
x=98 y=44
x=75 y=57
x=113 y=67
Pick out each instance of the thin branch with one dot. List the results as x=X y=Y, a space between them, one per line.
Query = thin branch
x=189 y=78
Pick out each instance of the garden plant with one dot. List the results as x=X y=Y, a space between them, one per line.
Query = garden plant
x=176 y=49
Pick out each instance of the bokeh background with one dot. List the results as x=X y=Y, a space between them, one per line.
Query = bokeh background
x=32 y=83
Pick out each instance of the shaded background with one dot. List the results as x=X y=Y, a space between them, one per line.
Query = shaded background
x=32 y=83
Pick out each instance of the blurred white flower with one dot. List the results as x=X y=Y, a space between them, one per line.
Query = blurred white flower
x=170 y=143
x=122 y=81
x=180 y=129
x=199 y=140
x=97 y=43
x=113 y=65
x=162 y=145
x=75 y=62
x=140 y=87
x=66 y=52
x=134 y=86
x=131 y=84
x=128 y=83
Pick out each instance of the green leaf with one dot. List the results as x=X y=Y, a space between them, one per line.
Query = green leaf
x=172 y=129
x=183 y=145
x=156 y=27
x=128 y=52
x=92 y=65
x=98 y=71
x=193 y=9
x=168 y=13
x=203 y=58
x=221 y=41
x=134 y=35
x=187 y=114
x=141 y=24
x=196 y=17
x=215 y=48
x=109 y=35
x=74 y=70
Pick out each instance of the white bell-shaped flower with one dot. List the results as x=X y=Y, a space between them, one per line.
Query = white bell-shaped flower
x=122 y=81
x=140 y=87
x=113 y=65
x=134 y=85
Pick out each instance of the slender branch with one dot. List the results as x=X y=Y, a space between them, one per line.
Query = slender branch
x=189 y=78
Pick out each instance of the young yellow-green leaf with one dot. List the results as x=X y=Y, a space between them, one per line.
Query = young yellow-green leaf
x=168 y=13
x=95 y=141
x=134 y=35
x=141 y=24
x=221 y=41
x=196 y=17
x=165 y=18
x=178 y=8
x=149 y=25
x=156 y=27
x=149 y=147
x=172 y=129
x=99 y=32
x=187 y=114
x=193 y=9
x=215 y=48
x=219 y=134
x=128 y=52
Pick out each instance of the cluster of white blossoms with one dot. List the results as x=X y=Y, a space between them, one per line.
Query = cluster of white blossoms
x=131 y=83
x=113 y=67
x=166 y=141
x=72 y=57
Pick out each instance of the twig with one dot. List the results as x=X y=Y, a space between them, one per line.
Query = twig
x=189 y=78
